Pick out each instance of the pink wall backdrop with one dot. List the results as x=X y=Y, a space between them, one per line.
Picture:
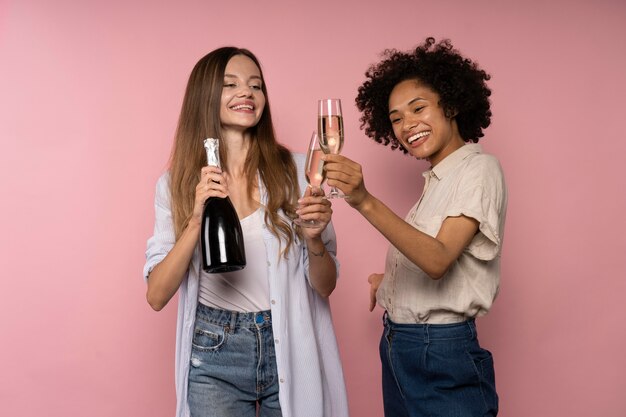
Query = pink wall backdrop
x=89 y=97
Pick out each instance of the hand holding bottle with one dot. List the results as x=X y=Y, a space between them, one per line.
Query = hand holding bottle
x=212 y=184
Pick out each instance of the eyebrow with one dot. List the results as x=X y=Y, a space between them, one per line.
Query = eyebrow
x=251 y=77
x=408 y=104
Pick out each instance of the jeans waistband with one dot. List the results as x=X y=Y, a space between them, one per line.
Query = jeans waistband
x=463 y=329
x=233 y=319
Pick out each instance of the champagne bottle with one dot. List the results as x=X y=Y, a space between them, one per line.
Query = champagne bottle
x=221 y=235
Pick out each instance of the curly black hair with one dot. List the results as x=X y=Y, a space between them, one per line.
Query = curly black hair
x=459 y=82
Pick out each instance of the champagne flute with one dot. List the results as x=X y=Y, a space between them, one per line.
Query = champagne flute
x=330 y=130
x=315 y=175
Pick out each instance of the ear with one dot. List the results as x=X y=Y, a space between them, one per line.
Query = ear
x=450 y=113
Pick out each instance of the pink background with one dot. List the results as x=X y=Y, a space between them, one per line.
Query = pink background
x=89 y=97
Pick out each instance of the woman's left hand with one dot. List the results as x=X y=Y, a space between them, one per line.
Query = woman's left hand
x=314 y=206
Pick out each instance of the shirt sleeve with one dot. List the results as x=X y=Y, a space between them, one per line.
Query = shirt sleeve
x=481 y=195
x=164 y=237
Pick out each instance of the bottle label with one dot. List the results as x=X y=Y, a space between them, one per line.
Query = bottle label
x=212 y=147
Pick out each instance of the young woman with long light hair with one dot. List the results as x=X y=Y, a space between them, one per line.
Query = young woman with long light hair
x=260 y=338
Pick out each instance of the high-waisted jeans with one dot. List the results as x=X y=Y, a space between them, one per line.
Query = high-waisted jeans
x=233 y=365
x=436 y=370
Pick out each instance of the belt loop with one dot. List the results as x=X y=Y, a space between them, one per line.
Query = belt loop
x=426 y=335
x=472 y=328
x=387 y=328
x=233 y=321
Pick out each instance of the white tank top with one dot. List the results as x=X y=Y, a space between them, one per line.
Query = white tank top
x=245 y=290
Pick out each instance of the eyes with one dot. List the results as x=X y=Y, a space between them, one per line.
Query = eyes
x=253 y=86
x=396 y=118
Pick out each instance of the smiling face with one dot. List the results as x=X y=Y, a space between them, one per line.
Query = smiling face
x=420 y=124
x=242 y=100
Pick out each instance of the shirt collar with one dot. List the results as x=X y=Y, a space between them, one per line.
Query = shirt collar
x=451 y=161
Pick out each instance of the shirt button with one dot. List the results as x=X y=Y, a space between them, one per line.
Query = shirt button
x=273 y=301
x=282 y=380
x=276 y=341
x=268 y=263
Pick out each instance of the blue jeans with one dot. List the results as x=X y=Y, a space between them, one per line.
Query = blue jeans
x=233 y=365
x=436 y=370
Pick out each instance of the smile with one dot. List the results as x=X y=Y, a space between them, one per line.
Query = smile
x=417 y=136
x=243 y=107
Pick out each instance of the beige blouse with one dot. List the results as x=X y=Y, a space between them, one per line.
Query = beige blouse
x=470 y=183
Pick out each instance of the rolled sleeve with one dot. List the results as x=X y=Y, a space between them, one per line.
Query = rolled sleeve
x=164 y=237
x=483 y=201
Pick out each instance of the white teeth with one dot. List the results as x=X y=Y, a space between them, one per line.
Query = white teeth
x=418 y=135
x=242 y=106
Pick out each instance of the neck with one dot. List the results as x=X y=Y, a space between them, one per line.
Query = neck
x=454 y=142
x=236 y=145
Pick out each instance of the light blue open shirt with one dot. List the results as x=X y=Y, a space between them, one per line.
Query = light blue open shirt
x=309 y=367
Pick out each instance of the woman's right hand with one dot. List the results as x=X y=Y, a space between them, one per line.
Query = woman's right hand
x=374 y=280
x=347 y=175
x=212 y=184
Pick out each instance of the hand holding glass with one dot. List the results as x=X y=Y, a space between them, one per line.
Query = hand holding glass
x=330 y=131
x=315 y=175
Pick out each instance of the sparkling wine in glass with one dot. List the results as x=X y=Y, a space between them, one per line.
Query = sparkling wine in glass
x=315 y=175
x=330 y=131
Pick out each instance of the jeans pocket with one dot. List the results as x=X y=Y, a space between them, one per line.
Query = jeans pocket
x=483 y=362
x=208 y=336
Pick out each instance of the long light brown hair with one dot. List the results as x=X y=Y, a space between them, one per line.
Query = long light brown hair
x=200 y=119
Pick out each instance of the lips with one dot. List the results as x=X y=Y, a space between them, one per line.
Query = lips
x=246 y=106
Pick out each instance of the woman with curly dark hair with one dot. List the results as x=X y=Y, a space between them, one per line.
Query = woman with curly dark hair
x=443 y=265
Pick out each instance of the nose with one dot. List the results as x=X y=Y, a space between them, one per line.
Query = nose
x=410 y=122
x=244 y=91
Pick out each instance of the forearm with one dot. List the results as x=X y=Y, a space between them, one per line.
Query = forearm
x=322 y=268
x=425 y=251
x=165 y=278
x=434 y=255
